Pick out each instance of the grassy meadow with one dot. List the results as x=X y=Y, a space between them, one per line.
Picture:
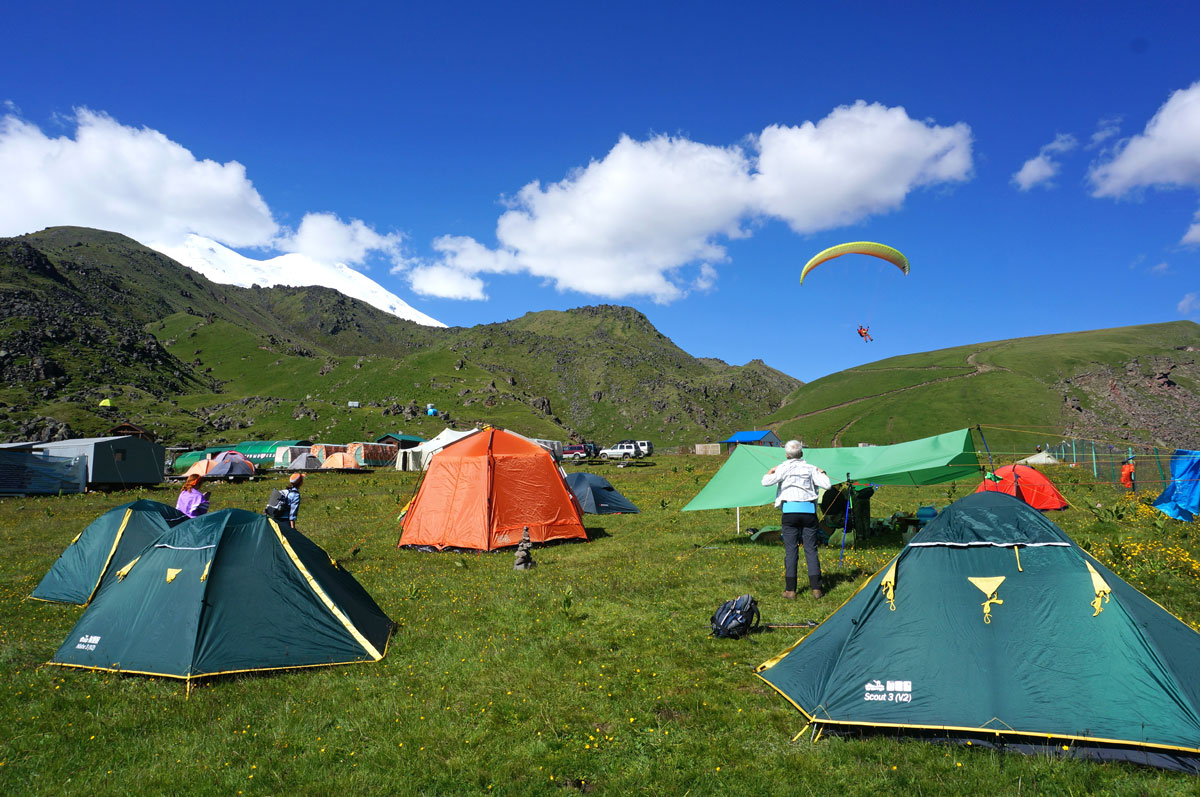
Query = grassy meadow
x=592 y=673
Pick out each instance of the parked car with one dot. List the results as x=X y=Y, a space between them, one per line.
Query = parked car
x=575 y=452
x=624 y=450
x=646 y=446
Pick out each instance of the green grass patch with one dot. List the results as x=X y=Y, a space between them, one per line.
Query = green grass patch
x=594 y=671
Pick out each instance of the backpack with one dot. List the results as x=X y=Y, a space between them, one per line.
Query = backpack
x=277 y=505
x=736 y=618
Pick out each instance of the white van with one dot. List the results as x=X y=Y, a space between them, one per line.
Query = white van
x=646 y=446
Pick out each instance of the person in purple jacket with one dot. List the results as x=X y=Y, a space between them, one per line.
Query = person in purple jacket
x=192 y=502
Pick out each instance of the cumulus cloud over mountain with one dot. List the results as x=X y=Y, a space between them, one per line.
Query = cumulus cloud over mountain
x=139 y=182
x=632 y=222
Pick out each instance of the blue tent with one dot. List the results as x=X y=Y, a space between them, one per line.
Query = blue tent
x=1181 y=499
x=597 y=497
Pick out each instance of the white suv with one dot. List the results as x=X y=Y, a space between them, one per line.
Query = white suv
x=621 y=451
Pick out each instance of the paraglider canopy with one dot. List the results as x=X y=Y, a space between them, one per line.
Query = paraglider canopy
x=882 y=251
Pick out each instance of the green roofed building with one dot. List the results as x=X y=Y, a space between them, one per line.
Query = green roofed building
x=992 y=626
x=226 y=592
x=118 y=535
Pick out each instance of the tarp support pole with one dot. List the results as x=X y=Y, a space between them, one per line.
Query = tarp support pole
x=1073 y=457
x=1095 y=470
x=1161 y=475
x=738 y=511
x=991 y=467
x=1132 y=476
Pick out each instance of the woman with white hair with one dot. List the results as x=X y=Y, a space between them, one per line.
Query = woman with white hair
x=797 y=485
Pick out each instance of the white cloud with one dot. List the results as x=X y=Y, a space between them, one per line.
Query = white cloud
x=327 y=239
x=1192 y=236
x=1166 y=154
x=1042 y=167
x=133 y=180
x=445 y=282
x=707 y=279
x=1105 y=130
x=1161 y=269
x=648 y=214
x=1188 y=304
x=139 y=182
x=859 y=160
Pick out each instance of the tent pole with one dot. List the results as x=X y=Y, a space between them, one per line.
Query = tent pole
x=739 y=520
x=1095 y=470
x=1162 y=476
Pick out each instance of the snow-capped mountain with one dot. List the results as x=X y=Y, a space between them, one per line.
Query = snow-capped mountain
x=221 y=264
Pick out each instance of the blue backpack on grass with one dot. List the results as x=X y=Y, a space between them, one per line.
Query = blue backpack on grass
x=736 y=618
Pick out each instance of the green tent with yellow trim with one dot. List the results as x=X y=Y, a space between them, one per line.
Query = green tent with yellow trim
x=992 y=626
x=226 y=592
x=116 y=536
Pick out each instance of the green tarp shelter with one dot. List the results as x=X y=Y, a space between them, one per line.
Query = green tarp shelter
x=992 y=626
x=227 y=592
x=930 y=460
x=117 y=536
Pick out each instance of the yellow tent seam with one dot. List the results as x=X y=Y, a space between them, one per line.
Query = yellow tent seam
x=320 y=593
x=111 y=554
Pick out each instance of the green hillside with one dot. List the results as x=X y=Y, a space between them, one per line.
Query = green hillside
x=1136 y=384
x=92 y=315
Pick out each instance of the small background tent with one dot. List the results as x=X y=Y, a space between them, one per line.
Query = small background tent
x=305 y=461
x=1025 y=483
x=341 y=461
x=418 y=458
x=1040 y=458
x=229 y=464
x=992 y=626
x=373 y=455
x=597 y=497
x=99 y=550
x=482 y=490
x=227 y=592
x=1181 y=498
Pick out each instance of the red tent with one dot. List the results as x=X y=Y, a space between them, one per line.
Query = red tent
x=481 y=491
x=1027 y=484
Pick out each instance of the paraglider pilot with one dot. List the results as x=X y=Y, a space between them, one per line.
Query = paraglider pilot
x=797 y=483
x=865 y=334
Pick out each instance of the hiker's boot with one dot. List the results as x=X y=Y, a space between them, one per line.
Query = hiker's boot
x=817 y=594
x=789 y=594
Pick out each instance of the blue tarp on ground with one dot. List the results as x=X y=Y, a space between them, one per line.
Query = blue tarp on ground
x=1181 y=499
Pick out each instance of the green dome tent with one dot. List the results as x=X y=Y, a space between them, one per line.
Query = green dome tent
x=993 y=626
x=118 y=535
x=227 y=592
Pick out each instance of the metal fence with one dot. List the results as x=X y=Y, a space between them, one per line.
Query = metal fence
x=1152 y=466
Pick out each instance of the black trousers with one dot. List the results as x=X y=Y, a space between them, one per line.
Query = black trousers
x=799 y=526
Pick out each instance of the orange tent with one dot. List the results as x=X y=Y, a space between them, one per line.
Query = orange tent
x=340 y=460
x=481 y=491
x=1027 y=484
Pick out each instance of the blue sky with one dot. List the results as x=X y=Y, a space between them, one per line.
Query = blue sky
x=1038 y=163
